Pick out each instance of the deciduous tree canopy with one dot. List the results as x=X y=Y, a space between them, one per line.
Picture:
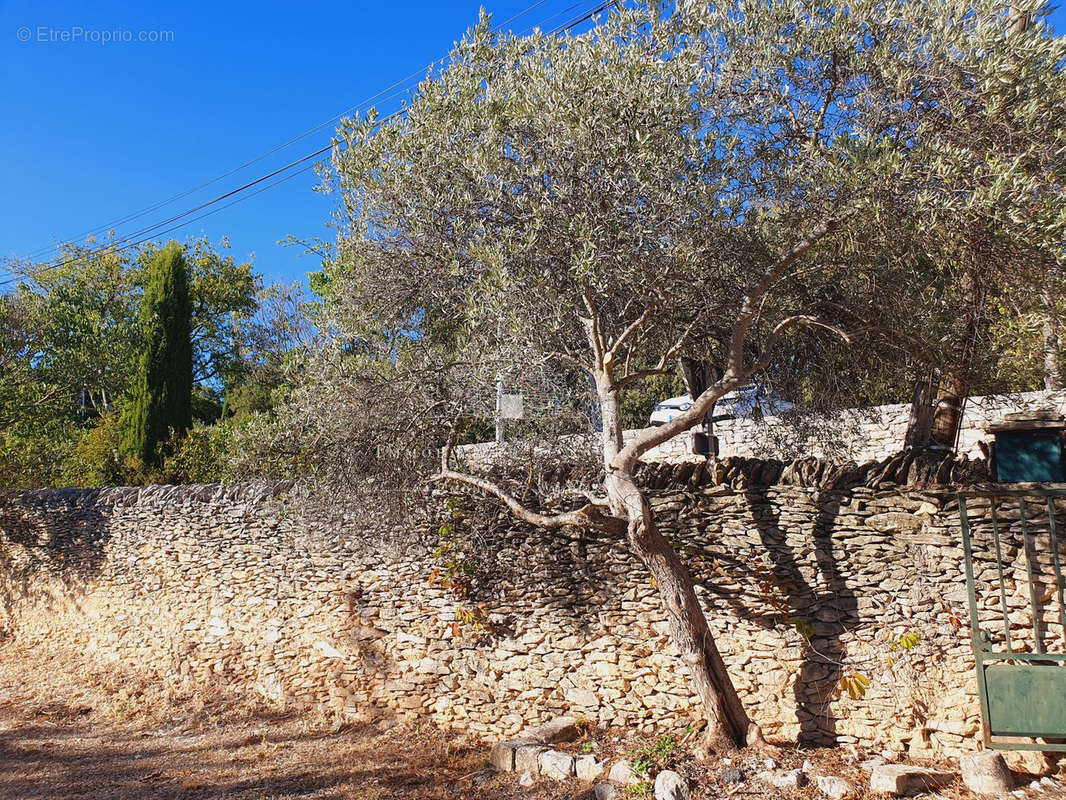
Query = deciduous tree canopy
x=70 y=340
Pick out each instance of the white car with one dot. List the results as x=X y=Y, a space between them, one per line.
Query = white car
x=747 y=401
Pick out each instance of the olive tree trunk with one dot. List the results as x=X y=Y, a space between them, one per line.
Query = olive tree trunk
x=728 y=725
x=1050 y=342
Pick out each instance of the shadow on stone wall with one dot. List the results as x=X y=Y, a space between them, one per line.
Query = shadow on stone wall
x=568 y=568
x=756 y=521
x=821 y=609
x=61 y=539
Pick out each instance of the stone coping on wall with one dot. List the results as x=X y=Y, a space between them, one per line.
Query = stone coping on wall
x=859 y=435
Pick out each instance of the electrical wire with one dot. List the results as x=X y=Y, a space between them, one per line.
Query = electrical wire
x=128 y=242
x=395 y=88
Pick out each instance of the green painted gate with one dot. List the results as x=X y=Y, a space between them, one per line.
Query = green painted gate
x=1013 y=543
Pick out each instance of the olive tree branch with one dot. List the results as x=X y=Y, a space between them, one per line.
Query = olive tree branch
x=736 y=374
x=795 y=321
x=664 y=364
x=588 y=514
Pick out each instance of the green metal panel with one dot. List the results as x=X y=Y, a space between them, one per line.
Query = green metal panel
x=1029 y=456
x=1022 y=689
x=1026 y=699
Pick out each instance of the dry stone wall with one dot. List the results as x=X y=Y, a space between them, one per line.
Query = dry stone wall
x=857 y=434
x=805 y=585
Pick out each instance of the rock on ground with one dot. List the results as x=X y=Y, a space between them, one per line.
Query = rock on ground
x=1029 y=761
x=502 y=755
x=906 y=779
x=733 y=775
x=526 y=779
x=670 y=786
x=605 y=791
x=554 y=731
x=792 y=779
x=986 y=773
x=622 y=773
x=556 y=765
x=834 y=787
x=588 y=768
x=526 y=757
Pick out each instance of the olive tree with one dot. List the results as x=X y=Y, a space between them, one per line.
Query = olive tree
x=717 y=181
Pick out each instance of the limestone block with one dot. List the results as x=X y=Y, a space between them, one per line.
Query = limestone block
x=1029 y=761
x=502 y=755
x=986 y=773
x=792 y=779
x=622 y=773
x=588 y=768
x=834 y=787
x=583 y=698
x=670 y=786
x=556 y=764
x=906 y=779
x=526 y=757
x=554 y=731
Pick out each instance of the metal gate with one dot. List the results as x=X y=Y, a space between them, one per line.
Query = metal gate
x=1012 y=538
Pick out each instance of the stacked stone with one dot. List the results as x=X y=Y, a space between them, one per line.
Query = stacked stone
x=810 y=575
x=860 y=434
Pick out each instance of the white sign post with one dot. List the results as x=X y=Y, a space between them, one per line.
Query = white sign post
x=511 y=406
x=508 y=406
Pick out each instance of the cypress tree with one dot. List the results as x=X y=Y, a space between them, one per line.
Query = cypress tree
x=162 y=390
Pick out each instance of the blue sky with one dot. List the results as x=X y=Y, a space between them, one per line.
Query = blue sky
x=96 y=130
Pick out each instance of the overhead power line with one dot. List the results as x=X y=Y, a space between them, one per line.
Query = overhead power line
x=387 y=93
x=251 y=162
x=158 y=229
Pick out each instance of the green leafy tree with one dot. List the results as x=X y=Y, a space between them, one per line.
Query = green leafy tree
x=81 y=312
x=1025 y=336
x=161 y=406
x=94 y=456
x=202 y=456
x=70 y=343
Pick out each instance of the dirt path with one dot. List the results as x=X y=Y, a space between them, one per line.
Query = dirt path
x=60 y=738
